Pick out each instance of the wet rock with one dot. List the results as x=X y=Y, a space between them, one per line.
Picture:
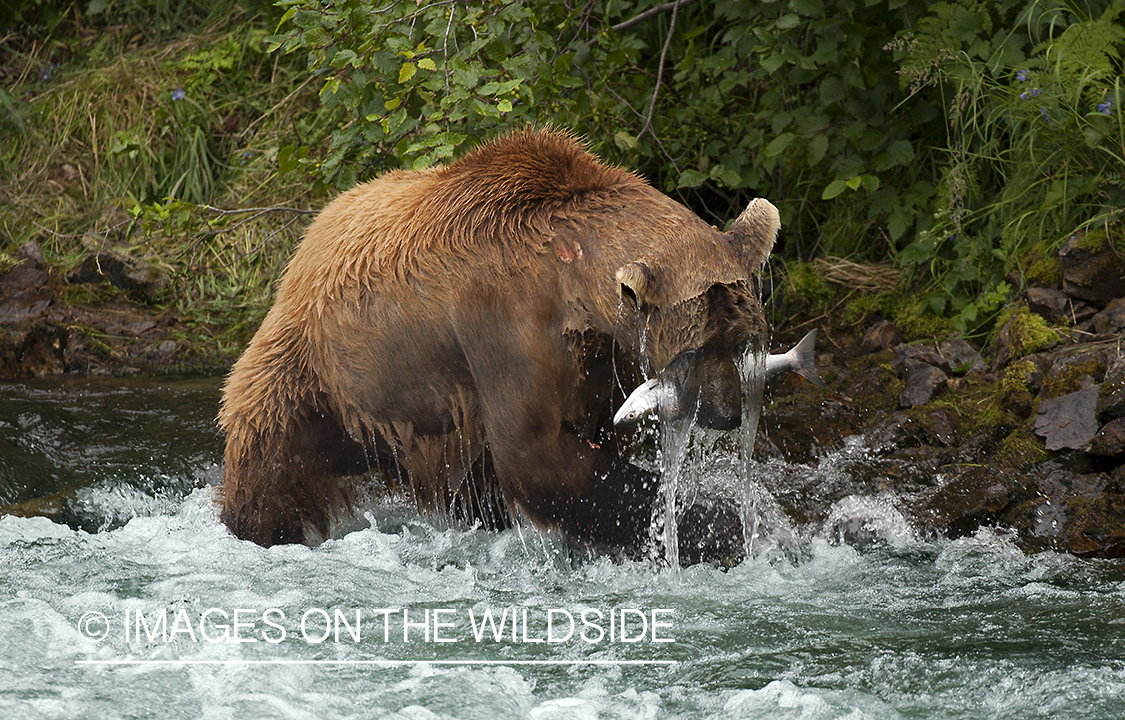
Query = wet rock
x=1074 y=509
x=1112 y=319
x=23 y=292
x=959 y=357
x=978 y=496
x=1068 y=421
x=803 y=432
x=1110 y=440
x=1111 y=400
x=940 y=429
x=1092 y=272
x=118 y=269
x=883 y=335
x=36 y=352
x=922 y=381
x=1049 y=521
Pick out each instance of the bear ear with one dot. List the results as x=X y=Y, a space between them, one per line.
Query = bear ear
x=754 y=233
x=637 y=283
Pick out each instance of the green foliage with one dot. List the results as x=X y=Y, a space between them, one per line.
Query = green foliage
x=962 y=140
x=417 y=82
x=1027 y=332
x=716 y=103
x=114 y=143
x=1035 y=147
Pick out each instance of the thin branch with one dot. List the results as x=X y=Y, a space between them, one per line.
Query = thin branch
x=651 y=12
x=660 y=70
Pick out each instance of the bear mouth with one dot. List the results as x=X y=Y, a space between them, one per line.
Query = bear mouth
x=680 y=391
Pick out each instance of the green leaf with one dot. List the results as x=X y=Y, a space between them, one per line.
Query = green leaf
x=406 y=72
x=427 y=64
x=691 y=178
x=625 y=141
x=771 y=63
x=284 y=18
x=504 y=106
x=343 y=59
x=896 y=225
x=817 y=149
x=807 y=7
x=854 y=182
x=778 y=145
x=902 y=152
x=834 y=188
x=726 y=176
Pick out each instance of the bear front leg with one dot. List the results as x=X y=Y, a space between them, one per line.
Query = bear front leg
x=548 y=472
x=281 y=481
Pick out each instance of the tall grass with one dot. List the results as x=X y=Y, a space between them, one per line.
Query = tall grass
x=1035 y=155
x=133 y=127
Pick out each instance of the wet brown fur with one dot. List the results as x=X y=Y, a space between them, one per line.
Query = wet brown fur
x=462 y=326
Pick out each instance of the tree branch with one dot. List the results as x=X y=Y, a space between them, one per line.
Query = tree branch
x=660 y=70
x=651 y=12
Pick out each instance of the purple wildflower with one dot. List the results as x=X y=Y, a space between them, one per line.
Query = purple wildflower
x=178 y=94
x=1104 y=108
x=1021 y=75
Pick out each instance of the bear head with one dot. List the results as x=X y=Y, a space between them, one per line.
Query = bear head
x=698 y=314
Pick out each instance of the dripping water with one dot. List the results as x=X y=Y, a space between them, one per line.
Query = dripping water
x=752 y=374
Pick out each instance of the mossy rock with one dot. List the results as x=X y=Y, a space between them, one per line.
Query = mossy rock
x=1041 y=267
x=805 y=290
x=1020 y=333
x=1069 y=375
x=914 y=322
x=1092 y=268
x=1021 y=451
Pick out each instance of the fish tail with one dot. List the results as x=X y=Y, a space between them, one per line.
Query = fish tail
x=805 y=351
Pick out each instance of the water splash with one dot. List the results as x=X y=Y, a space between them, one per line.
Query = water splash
x=676 y=421
x=752 y=373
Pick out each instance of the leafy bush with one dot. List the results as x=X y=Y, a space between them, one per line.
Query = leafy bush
x=952 y=137
x=1035 y=150
x=714 y=102
x=962 y=140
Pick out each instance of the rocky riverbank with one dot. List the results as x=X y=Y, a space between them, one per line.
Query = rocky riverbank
x=1025 y=431
x=97 y=319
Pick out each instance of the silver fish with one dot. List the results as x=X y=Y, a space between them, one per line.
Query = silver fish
x=653 y=393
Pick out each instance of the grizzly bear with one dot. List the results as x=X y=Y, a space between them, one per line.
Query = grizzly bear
x=468 y=329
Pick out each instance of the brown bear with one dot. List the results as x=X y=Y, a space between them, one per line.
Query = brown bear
x=469 y=328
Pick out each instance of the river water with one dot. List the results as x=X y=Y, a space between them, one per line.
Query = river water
x=124 y=597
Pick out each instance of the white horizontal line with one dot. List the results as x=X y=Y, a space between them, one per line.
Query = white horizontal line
x=376 y=662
